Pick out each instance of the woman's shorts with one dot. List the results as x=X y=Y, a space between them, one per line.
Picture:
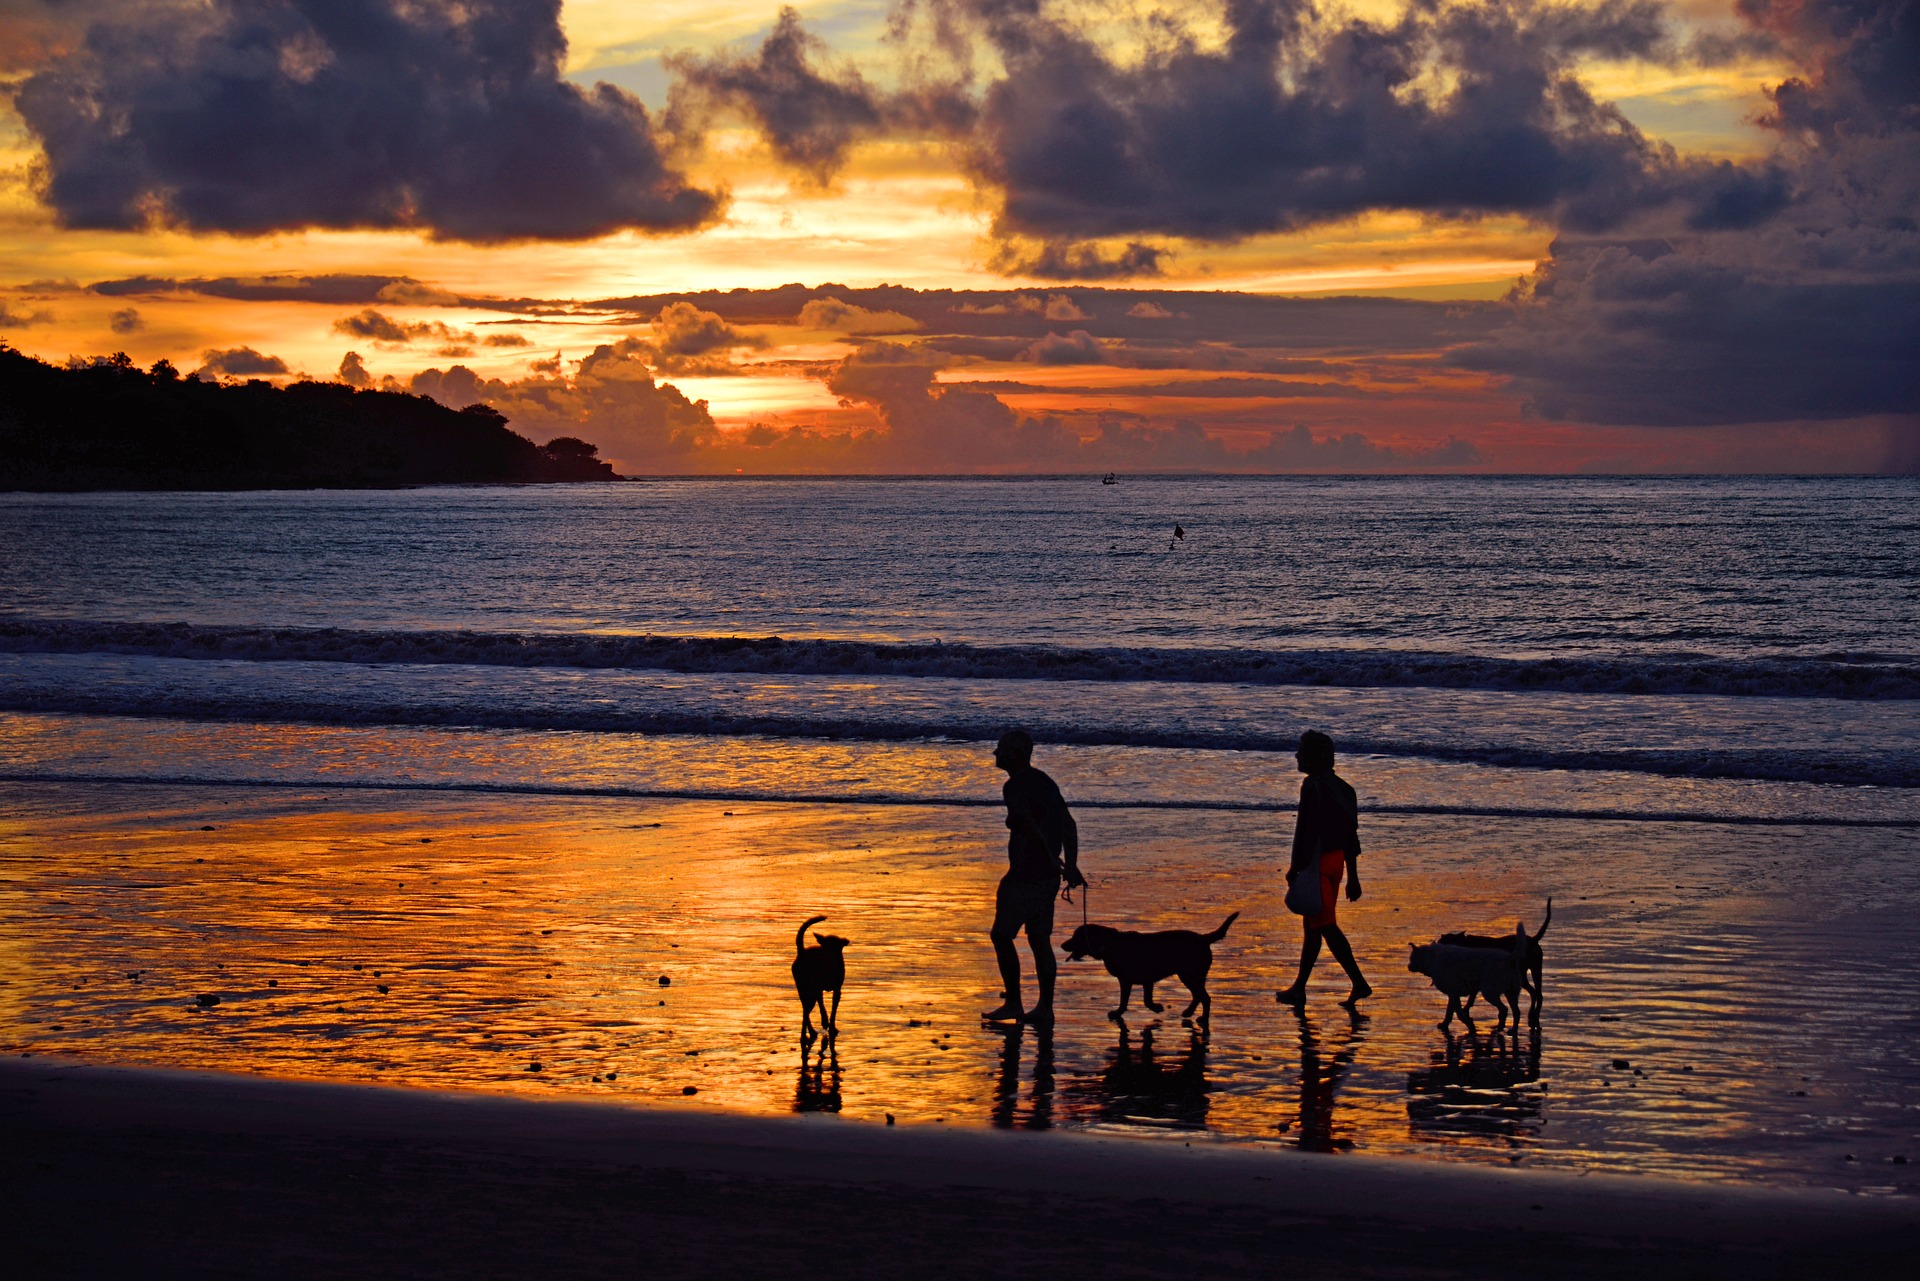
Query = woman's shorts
x=1333 y=865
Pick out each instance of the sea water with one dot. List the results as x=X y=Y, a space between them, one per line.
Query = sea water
x=679 y=716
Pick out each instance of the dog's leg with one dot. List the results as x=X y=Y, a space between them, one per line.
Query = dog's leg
x=1146 y=998
x=1197 y=989
x=831 y=1020
x=1453 y=1003
x=1126 y=993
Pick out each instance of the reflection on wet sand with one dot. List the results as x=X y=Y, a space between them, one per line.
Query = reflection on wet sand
x=819 y=1087
x=1142 y=1087
x=1322 y=1069
x=1479 y=1087
x=641 y=952
x=1007 y=1112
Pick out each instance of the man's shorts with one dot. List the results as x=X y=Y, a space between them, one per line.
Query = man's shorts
x=1024 y=905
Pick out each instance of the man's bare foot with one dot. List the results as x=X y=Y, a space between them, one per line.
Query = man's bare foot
x=1041 y=1014
x=1295 y=996
x=1361 y=991
x=1008 y=1013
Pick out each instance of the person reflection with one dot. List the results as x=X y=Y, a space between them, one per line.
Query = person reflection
x=819 y=1088
x=1005 y=1113
x=1139 y=1085
x=1478 y=1087
x=1320 y=1075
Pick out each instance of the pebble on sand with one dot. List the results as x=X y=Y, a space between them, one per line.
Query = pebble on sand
x=533 y=1067
x=689 y=1089
x=665 y=981
x=206 y=1000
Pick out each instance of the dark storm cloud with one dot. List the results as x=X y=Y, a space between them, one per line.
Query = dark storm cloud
x=126 y=321
x=339 y=289
x=1293 y=119
x=1812 y=313
x=1065 y=260
x=240 y=362
x=1076 y=348
x=252 y=116
x=1620 y=335
x=809 y=117
x=384 y=328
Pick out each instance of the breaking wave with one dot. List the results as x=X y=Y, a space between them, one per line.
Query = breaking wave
x=1846 y=675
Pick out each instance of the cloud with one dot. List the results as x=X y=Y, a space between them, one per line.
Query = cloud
x=239 y=362
x=382 y=328
x=611 y=399
x=1065 y=260
x=11 y=319
x=1076 y=348
x=450 y=117
x=831 y=315
x=683 y=339
x=1812 y=314
x=507 y=340
x=353 y=371
x=126 y=321
x=1145 y=310
x=809 y=119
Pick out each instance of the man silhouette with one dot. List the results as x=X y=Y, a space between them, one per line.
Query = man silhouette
x=1042 y=844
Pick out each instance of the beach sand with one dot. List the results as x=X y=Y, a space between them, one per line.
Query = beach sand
x=117 y=1172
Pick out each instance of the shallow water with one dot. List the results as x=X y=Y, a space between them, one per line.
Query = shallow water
x=516 y=754
x=1766 y=1021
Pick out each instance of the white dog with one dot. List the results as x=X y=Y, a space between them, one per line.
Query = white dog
x=1467 y=972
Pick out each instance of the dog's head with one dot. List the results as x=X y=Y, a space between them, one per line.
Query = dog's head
x=831 y=942
x=1089 y=940
x=1456 y=939
x=1419 y=958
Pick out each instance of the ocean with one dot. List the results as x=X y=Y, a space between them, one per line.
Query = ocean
x=634 y=732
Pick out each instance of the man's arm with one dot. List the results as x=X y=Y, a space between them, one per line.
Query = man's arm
x=1070 y=848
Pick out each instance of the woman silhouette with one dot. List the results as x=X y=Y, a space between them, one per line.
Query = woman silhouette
x=1326 y=843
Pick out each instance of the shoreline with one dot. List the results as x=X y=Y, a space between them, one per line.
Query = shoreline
x=200 y=1165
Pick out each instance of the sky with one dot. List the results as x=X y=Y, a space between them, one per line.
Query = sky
x=720 y=236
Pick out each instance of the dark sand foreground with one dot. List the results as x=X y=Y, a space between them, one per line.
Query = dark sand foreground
x=114 y=1172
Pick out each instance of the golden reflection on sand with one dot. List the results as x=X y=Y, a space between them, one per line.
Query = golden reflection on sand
x=637 y=951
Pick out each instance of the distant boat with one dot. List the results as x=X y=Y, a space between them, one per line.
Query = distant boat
x=1109 y=479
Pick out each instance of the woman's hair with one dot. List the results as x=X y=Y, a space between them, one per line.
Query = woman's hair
x=1316 y=750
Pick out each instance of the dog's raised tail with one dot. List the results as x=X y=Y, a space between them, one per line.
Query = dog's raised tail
x=1221 y=933
x=1544 y=924
x=800 y=935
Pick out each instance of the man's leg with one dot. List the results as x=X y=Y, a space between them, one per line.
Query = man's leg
x=1040 y=940
x=1309 y=953
x=1006 y=928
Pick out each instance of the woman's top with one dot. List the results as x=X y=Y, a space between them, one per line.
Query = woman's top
x=1329 y=819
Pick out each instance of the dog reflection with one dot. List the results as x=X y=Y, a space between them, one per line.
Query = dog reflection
x=1483 y=1087
x=819 y=1088
x=1006 y=1113
x=1141 y=1085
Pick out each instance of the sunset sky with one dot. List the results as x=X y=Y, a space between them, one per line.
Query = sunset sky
x=1003 y=235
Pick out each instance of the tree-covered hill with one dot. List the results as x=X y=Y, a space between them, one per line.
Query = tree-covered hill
x=108 y=424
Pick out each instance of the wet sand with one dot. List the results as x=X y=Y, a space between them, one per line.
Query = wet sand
x=114 y=1171
x=1713 y=1010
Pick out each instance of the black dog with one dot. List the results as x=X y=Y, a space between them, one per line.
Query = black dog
x=1148 y=958
x=1532 y=960
x=817 y=971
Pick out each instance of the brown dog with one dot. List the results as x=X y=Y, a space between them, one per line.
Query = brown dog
x=817 y=971
x=1146 y=959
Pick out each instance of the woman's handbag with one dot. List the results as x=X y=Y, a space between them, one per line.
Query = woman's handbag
x=1303 y=895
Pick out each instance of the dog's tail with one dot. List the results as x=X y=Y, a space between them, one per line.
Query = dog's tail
x=1544 y=924
x=800 y=935
x=1221 y=933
